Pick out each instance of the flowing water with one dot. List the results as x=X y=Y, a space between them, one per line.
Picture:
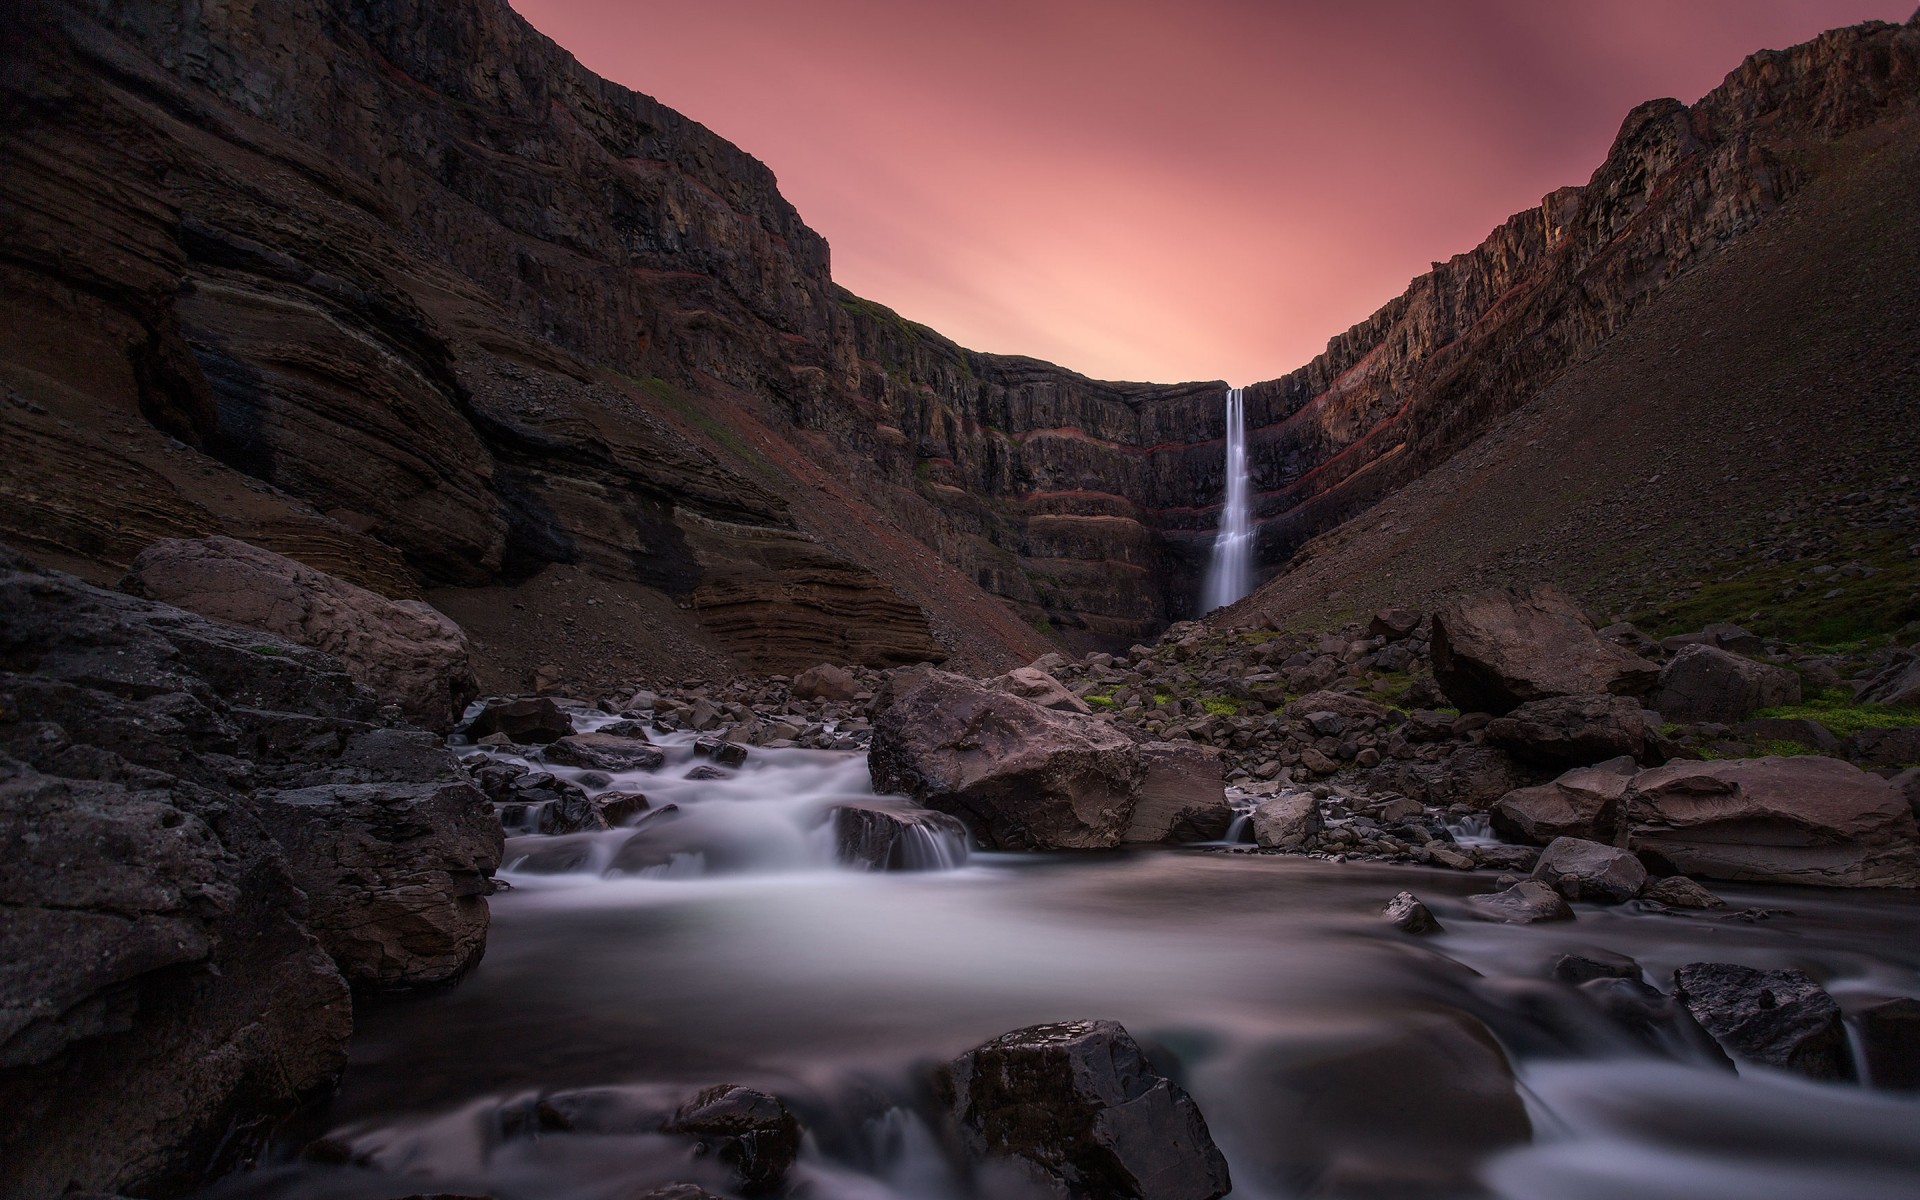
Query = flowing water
x=1320 y=1045
x=1230 y=573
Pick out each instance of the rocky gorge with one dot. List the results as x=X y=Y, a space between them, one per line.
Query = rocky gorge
x=515 y=684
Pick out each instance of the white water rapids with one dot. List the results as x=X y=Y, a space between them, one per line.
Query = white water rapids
x=1230 y=572
x=747 y=955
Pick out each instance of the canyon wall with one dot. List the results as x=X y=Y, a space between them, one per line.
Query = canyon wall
x=401 y=290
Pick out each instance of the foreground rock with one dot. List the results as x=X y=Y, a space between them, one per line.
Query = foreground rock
x=887 y=839
x=1776 y=1018
x=1498 y=650
x=1583 y=870
x=750 y=1132
x=603 y=752
x=1406 y=913
x=206 y=833
x=408 y=652
x=1776 y=820
x=1705 y=683
x=1286 y=821
x=1583 y=803
x=524 y=721
x=1077 y=1108
x=1020 y=777
x=1182 y=797
x=1525 y=903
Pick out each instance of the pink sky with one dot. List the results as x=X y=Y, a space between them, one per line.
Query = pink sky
x=1167 y=191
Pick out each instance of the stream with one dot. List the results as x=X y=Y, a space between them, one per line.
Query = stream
x=1330 y=1054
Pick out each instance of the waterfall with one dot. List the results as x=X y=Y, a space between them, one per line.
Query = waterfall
x=1230 y=574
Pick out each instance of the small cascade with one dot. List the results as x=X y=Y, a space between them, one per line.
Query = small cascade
x=1230 y=573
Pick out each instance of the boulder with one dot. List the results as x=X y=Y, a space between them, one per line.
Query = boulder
x=525 y=721
x=603 y=752
x=1907 y=783
x=1353 y=708
x=1043 y=689
x=1286 y=821
x=1898 y=686
x=1705 y=683
x=1497 y=650
x=1802 y=819
x=1721 y=636
x=1896 y=747
x=1525 y=903
x=825 y=682
x=1584 y=870
x=750 y=1132
x=1677 y=891
x=1077 y=1108
x=1572 y=731
x=891 y=839
x=1019 y=776
x=1405 y=912
x=567 y=809
x=1778 y=1019
x=1593 y=964
x=1182 y=797
x=1406 y=1110
x=408 y=652
x=1473 y=775
x=164 y=997
x=1584 y=803
x=1393 y=623
x=1890 y=1041
x=621 y=808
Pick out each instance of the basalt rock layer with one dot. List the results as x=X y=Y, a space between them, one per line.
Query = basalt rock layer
x=403 y=292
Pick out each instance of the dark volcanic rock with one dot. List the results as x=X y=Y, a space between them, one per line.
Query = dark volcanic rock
x=1525 y=903
x=1183 y=796
x=1584 y=803
x=1777 y=1018
x=1405 y=912
x=1572 y=731
x=1020 y=776
x=1498 y=650
x=1802 y=819
x=526 y=721
x=1079 y=1105
x=1890 y=1037
x=1584 y=870
x=604 y=752
x=1705 y=683
x=886 y=839
x=751 y=1132
x=185 y=805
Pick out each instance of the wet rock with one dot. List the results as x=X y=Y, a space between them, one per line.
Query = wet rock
x=1525 y=903
x=1405 y=1111
x=625 y=729
x=886 y=839
x=621 y=808
x=1677 y=891
x=750 y=1132
x=1498 y=650
x=1406 y=912
x=604 y=752
x=396 y=876
x=525 y=720
x=1182 y=797
x=1593 y=964
x=1704 y=683
x=1572 y=731
x=1019 y=776
x=724 y=753
x=1451 y=857
x=1658 y=1020
x=1775 y=1018
x=678 y=1191
x=1585 y=802
x=409 y=653
x=1890 y=1039
x=705 y=772
x=569 y=810
x=825 y=682
x=1040 y=688
x=1803 y=819
x=1584 y=870
x=1286 y=821
x=1078 y=1107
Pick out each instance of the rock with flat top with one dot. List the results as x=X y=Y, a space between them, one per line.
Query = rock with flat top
x=1525 y=903
x=1498 y=650
x=1584 y=802
x=825 y=682
x=1041 y=688
x=1582 y=870
x=1778 y=1019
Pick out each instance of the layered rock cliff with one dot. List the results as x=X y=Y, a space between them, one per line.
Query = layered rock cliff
x=404 y=292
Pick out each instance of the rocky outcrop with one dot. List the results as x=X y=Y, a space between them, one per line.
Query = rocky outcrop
x=1020 y=777
x=1583 y=803
x=1496 y=651
x=1077 y=1108
x=208 y=834
x=408 y=653
x=1775 y=820
x=1706 y=683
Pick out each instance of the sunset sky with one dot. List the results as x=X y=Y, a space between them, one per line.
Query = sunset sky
x=1167 y=191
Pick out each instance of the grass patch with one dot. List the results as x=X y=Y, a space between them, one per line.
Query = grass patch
x=1781 y=748
x=1098 y=699
x=1844 y=715
x=1220 y=706
x=270 y=651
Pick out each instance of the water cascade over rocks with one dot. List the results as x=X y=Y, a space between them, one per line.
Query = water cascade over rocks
x=1230 y=574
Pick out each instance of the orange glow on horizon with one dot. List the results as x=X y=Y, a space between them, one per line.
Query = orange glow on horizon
x=1166 y=192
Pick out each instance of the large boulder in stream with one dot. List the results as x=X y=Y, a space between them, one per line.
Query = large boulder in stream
x=1021 y=777
x=1075 y=1110
x=1498 y=650
x=751 y=1133
x=407 y=651
x=891 y=839
x=1775 y=1018
x=1183 y=796
x=1801 y=819
x=205 y=833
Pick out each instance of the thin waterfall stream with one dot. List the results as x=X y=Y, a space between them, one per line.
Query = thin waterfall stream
x=1230 y=572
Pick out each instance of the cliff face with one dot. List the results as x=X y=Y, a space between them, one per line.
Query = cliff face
x=403 y=291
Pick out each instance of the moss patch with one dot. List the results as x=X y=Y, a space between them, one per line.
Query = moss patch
x=1845 y=716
